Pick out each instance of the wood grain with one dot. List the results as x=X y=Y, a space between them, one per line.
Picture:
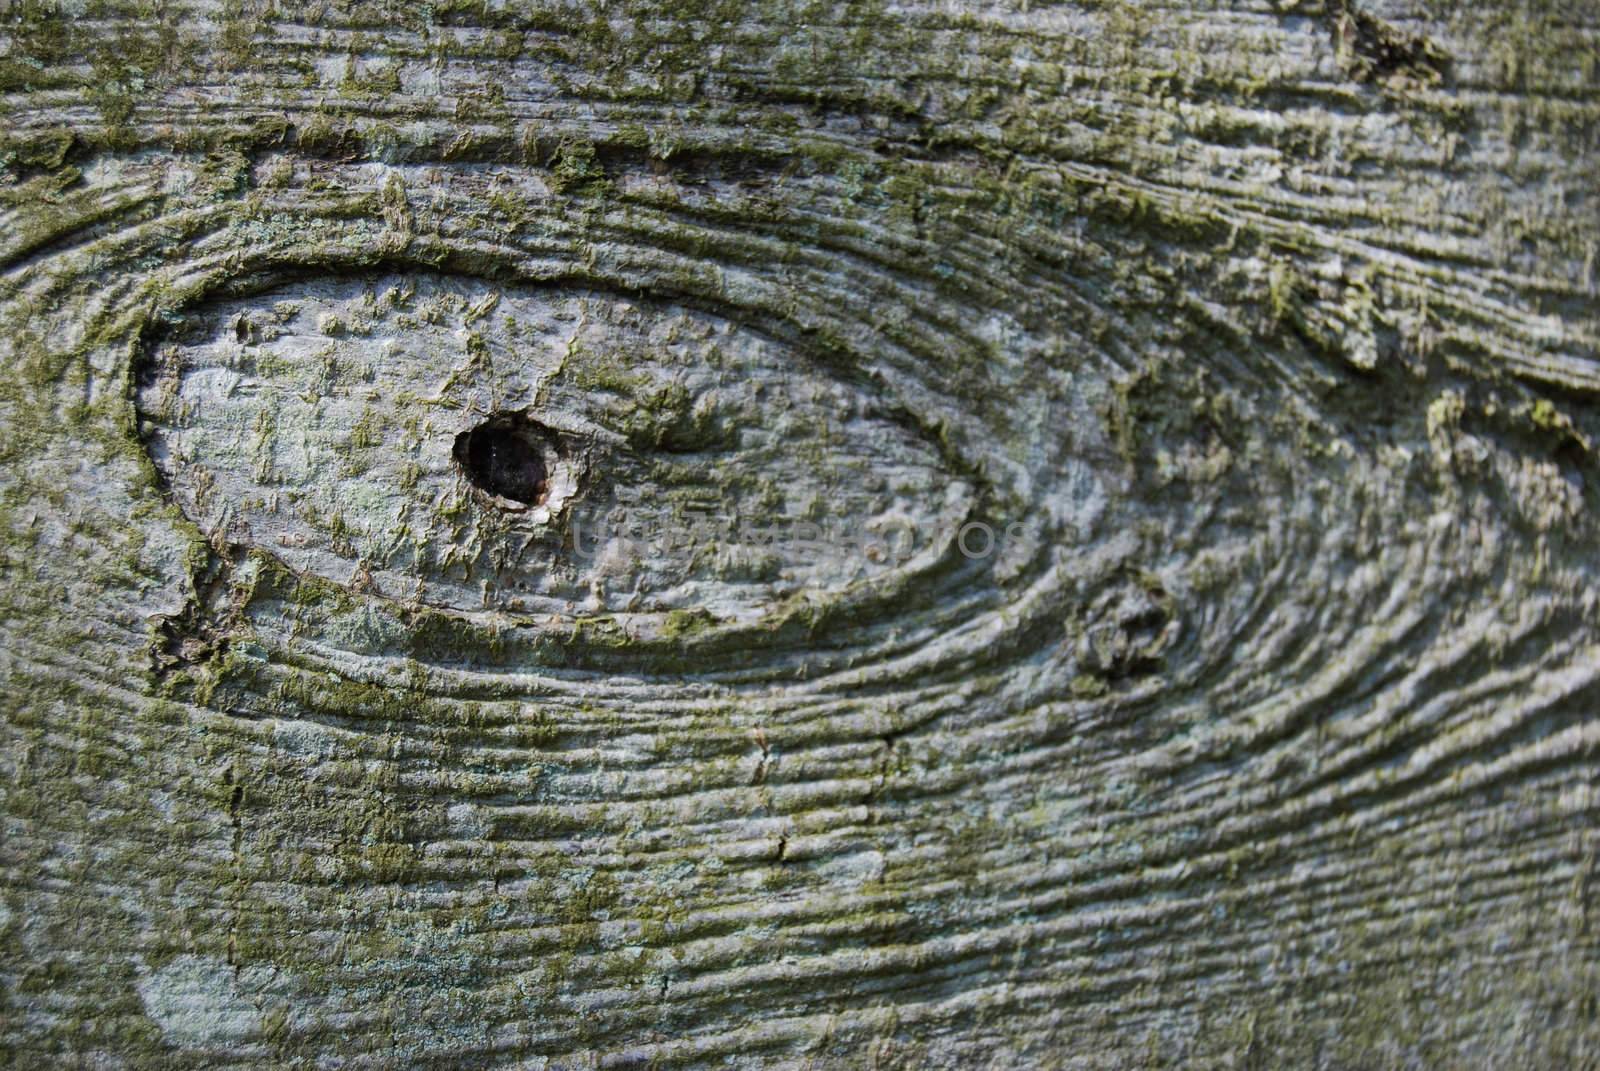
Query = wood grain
x=1264 y=336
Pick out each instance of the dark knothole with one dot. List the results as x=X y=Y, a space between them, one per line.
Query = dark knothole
x=506 y=456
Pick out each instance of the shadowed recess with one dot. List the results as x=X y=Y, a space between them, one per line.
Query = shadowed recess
x=504 y=457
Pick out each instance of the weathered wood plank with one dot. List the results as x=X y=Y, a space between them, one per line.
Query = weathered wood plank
x=1262 y=337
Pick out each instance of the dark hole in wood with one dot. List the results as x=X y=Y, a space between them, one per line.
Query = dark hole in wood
x=504 y=456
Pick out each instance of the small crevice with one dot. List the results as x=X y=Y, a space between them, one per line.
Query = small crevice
x=1372 y=50
x=201 y=631
x=235 y=802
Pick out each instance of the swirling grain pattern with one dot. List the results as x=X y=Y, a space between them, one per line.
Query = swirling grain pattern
x=1262 y=336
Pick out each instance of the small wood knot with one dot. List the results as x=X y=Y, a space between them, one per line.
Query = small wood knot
x=504 y=456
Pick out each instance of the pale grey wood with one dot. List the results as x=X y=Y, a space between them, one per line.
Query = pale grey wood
x=1262 y=336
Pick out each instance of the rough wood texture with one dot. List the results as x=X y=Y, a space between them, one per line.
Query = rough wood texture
x=1266 y=333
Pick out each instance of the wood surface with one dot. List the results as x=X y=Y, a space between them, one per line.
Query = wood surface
x=1262 y=338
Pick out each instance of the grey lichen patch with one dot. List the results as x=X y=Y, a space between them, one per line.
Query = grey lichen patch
x=203 y=1004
